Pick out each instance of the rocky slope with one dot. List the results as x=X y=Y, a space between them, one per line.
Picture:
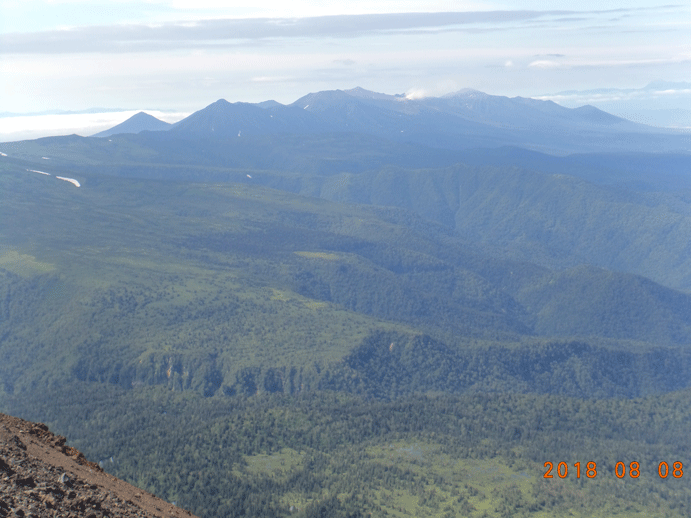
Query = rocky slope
x=41 y=476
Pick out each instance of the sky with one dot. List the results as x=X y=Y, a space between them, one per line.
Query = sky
x=178 y=56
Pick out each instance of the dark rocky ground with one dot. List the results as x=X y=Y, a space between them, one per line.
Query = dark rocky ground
x=40 y=476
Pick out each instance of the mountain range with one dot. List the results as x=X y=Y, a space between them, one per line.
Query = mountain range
x=463 y=120
x=358 y=303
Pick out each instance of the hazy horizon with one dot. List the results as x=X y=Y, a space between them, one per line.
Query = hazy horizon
x=625 y=104
x=179 y=56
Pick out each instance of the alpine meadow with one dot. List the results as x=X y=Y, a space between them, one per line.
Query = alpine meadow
x=360 y=304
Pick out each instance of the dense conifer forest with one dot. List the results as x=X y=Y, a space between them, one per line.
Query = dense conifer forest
x=343 y=325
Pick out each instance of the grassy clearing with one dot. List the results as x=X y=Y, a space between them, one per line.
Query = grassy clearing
x=444 y=484
x=319 y=255
x=276 y=464
x=24 y=265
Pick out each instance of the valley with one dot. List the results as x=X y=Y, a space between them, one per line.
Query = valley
x=315 y=320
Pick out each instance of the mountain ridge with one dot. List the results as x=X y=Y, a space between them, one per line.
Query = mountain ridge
x=139 y=122
x=464 y=119
x=313 y=302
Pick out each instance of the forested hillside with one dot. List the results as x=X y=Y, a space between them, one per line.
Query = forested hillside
x=176 y=281
x=339 y=324
x=336 y=455
x=622 y=212
x=555 y=220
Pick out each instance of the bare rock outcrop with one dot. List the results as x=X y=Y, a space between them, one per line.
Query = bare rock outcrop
x=41 y=476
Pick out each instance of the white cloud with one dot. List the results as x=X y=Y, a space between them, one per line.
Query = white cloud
x=673 y=92
x=627 y=101
x=544 y=63
x=235 y=33
x=184 y=54
x=303 y=8
x=271 y=79
x=416 y=93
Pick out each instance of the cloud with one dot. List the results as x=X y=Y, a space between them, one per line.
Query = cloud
x=190 y=34
x=271 y=79
x=416 y=93
x=236 y=32
x=673 y=92
x=544 y=63
x=639 y=96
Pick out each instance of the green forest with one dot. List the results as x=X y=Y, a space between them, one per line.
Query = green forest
x=352 y=341
x=328 y=453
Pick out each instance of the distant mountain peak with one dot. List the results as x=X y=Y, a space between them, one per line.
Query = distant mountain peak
x=220 y=104
x=318 y=100
x=139 y=122
x=463 y=119
x=368 y=94
x=269 y=104
x=358 y=90
x=467 y=93
x=596 y=115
